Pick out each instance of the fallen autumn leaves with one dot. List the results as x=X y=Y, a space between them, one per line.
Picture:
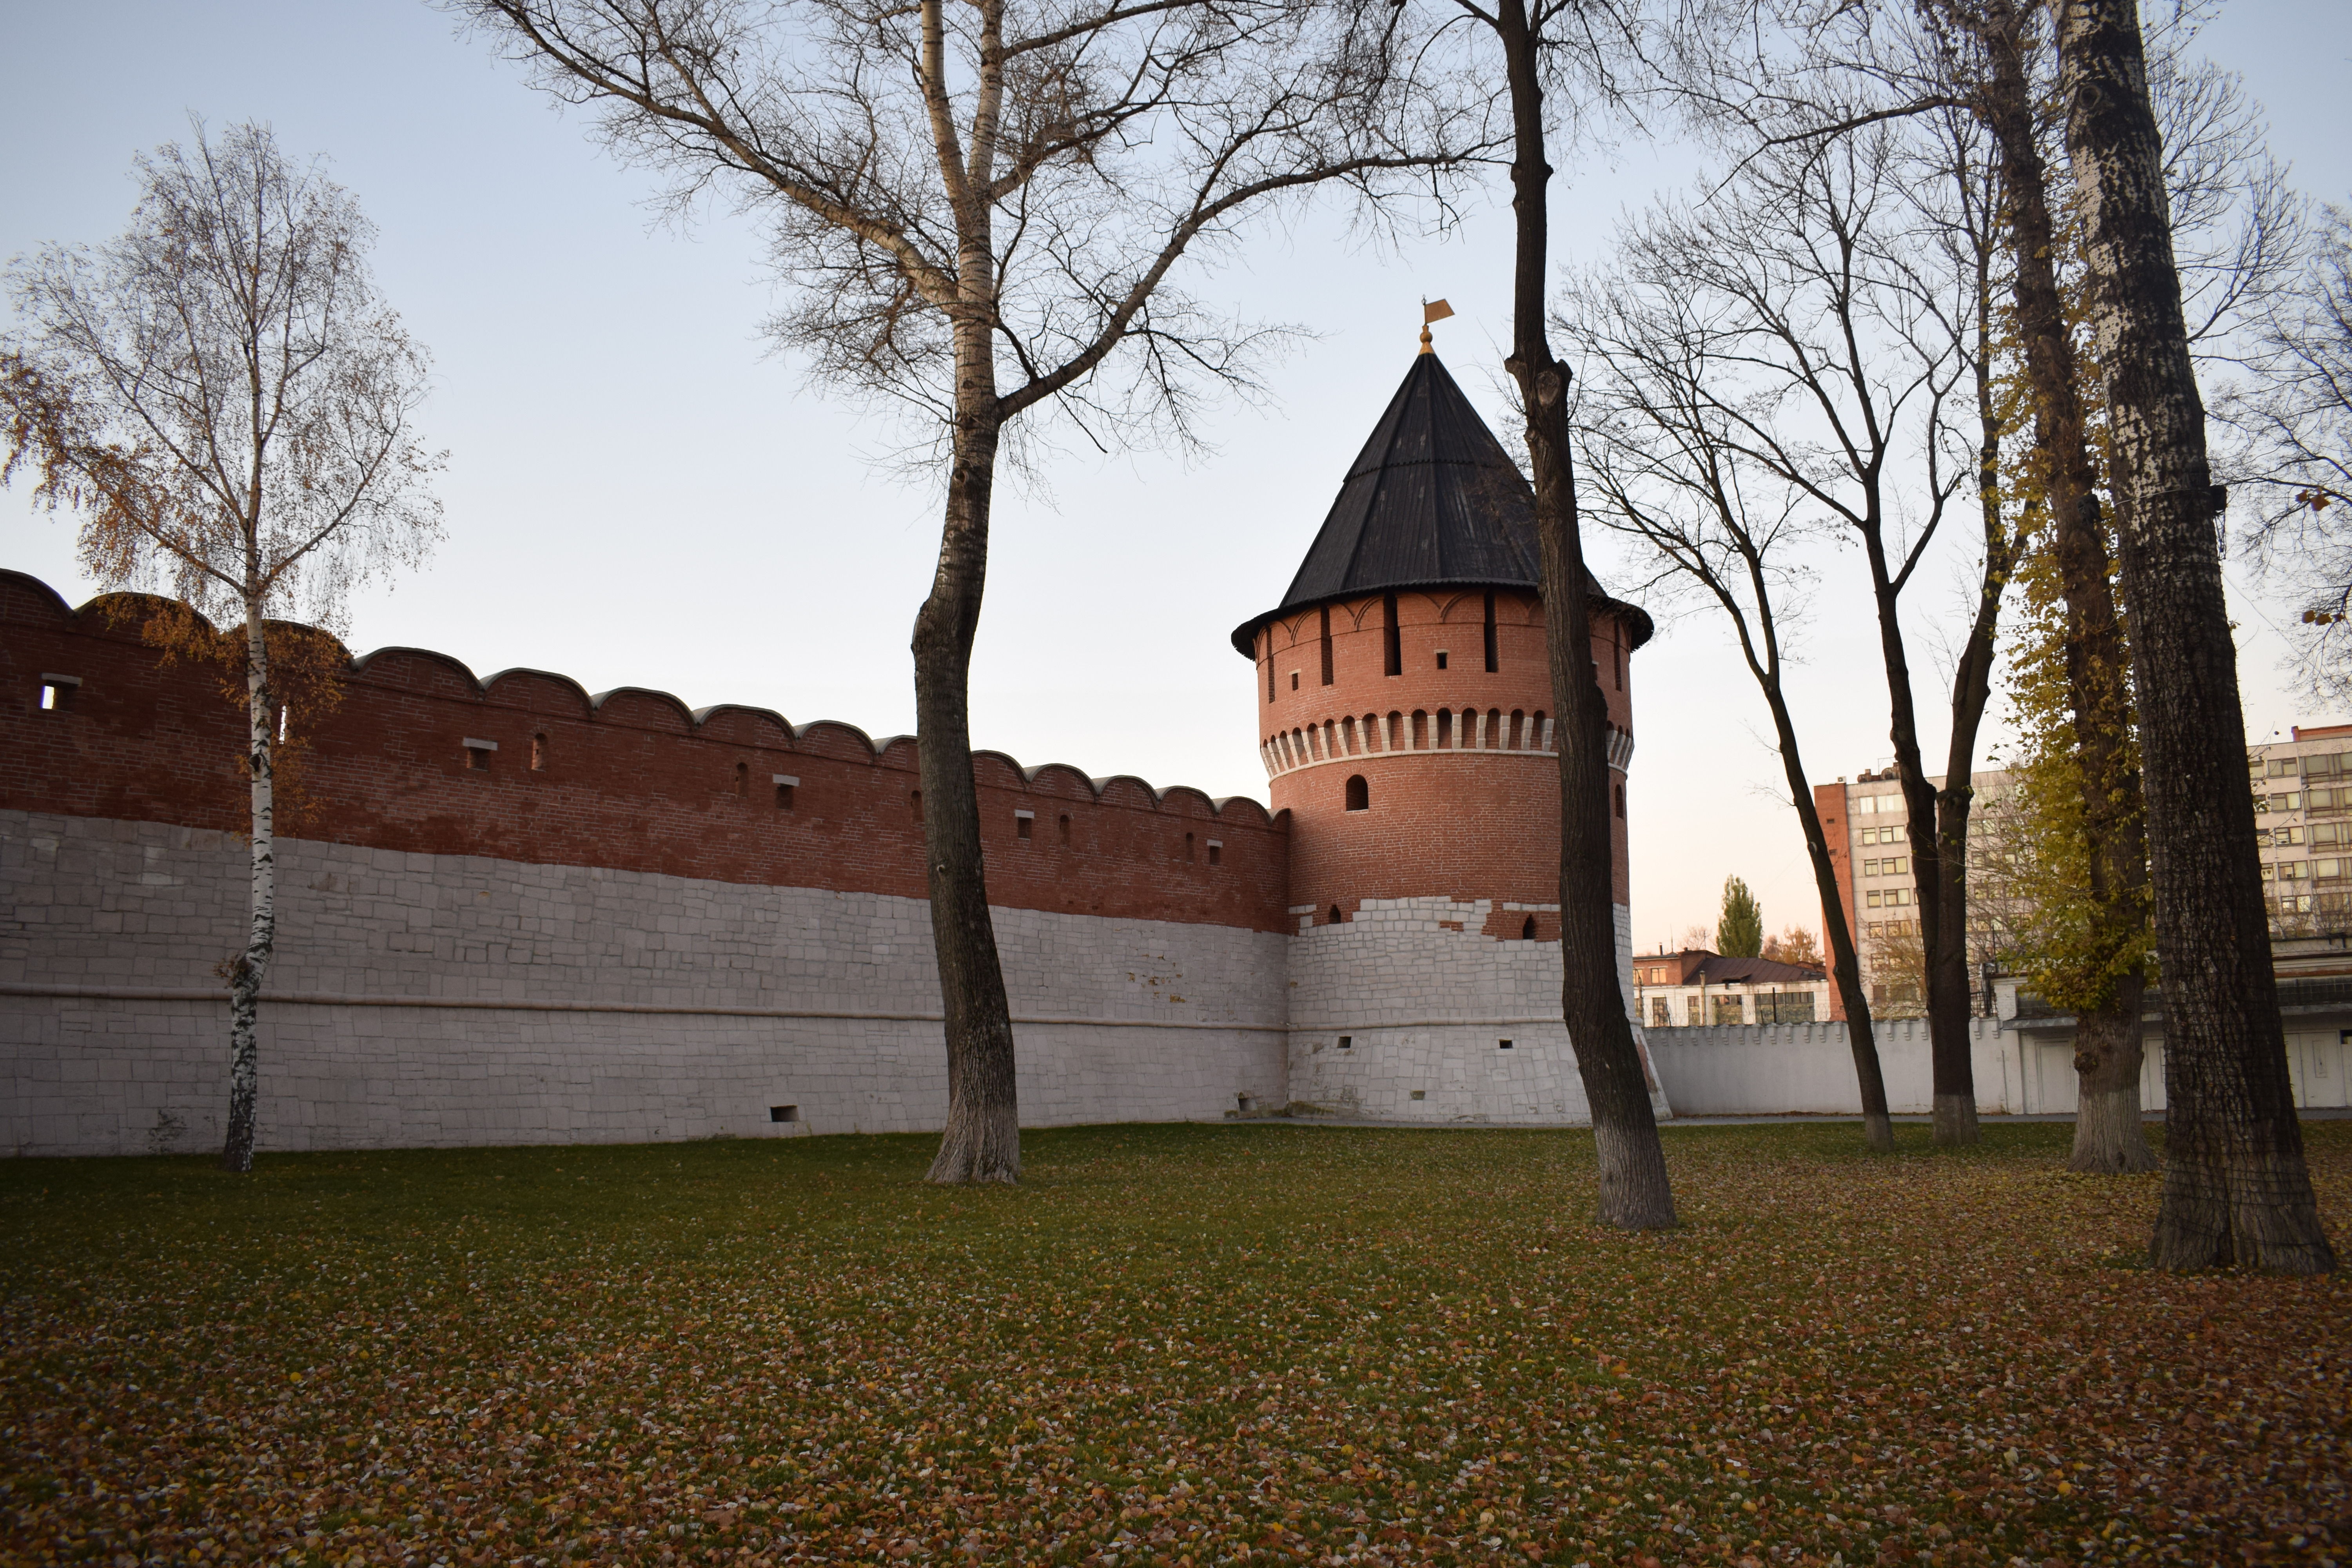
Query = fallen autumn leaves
x=1262 y=1343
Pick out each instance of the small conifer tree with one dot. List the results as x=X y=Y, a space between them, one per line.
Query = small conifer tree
x=1739 y=933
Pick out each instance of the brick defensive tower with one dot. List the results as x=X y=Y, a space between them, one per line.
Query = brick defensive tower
x=1405 y=702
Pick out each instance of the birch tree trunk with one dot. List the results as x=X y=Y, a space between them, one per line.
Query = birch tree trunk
x=2236 y=1190
x=1635 y=1191
x=2107 y=1051
x=252 y=967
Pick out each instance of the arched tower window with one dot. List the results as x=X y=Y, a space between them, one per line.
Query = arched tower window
x=1360 y=795
x=539 y=754
x=1527 y=930
x=1335 y=915
x=743 y=778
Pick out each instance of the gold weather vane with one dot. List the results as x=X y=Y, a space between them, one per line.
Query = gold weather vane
x=1431 y=311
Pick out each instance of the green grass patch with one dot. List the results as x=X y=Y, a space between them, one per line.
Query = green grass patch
x=1262 y=1343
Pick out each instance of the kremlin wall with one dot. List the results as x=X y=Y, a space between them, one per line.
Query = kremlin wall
x=510 y=912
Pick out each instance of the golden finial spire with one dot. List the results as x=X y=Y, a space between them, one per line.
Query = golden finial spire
x=1431 y=311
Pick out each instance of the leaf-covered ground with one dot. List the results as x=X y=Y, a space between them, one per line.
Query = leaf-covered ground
x=1173 y=1344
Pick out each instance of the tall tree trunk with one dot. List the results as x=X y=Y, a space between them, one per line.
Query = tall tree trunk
x=1953 y=1071
x=1949 y=989
x=1845 y=964
x=1635 y=1192
x=2236 y=1189
x=982 y=1139
x=252 y=967
x=2107 y=1051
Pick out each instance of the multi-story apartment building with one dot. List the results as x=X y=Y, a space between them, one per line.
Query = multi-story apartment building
x=2303 y=815
x=1867 y=825
x=2303 y=828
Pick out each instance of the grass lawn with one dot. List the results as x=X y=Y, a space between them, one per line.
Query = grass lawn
x=1263 y=1343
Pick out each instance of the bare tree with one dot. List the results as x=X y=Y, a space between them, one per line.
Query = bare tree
x=2236 y=1187
x=1549 y=47
x=224 y=399
x=1672 y=469
x=1807 y=331
x=2292 y=427
x=980 y=208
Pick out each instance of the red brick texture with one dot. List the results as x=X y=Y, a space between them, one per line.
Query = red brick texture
x=1828 y=801
x=1443 y=815
x=630 y=781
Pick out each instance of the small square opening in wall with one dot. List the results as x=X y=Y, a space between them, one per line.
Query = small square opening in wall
x=477 y=755
x=786 y=784
x=783 y=1113
x=1421 y=1094
x=1441 y=659
x=1502 y=1045
x=1217 y=852
x=1024 y=824
x=58 y=692
x=1347 y=1042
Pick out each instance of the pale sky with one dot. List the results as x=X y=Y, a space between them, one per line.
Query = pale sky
x=640 y=495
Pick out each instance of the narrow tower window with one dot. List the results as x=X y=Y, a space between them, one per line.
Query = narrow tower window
x=1294 y=680
x=58 y=692
x=1188 y=847
x=785 y=785
x=1065 y=828
x=1269 y=664
x=1335 y=914
x=539 y=754
x=1360 y=795
x=1527 y=930
x=1621 y=800
x=1441 y=659
x=743 y=778
x=1392 y=650
x=915 y=805
x=1444 y=728
x=1024 y=824
x=1491 y=661
x=1327 y=645
x=1217 y=852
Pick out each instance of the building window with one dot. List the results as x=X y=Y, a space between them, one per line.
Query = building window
x=1662 y=1013
x=1441 y=659
x=1188 y=847
x=477 y=755
x=1347 y=1042
x=783 y=1113
x=786 y=784
x=1360 y=795
x=1269 y=664
x=743 y=778
x=1392 y=650
x=1217 y=852
x=1024 y=824
x=1527 y=929
x=1335 y=916
x=1327 y=645
x=1729 y=1010
x=1294 y=680
x=1492 y=662
x=1065 y=830
x=539 y=754
x=58 y=692
x=1502 y=1045
x=1621 y=801
x=915 y=806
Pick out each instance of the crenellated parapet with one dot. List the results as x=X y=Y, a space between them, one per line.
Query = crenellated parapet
x=422 y=756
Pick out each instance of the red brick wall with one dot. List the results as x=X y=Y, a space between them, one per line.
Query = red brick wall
x=1829 y=800
x=632 y=782
x=1476 y=823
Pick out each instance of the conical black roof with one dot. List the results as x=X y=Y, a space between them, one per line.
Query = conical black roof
x=1433 y=500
